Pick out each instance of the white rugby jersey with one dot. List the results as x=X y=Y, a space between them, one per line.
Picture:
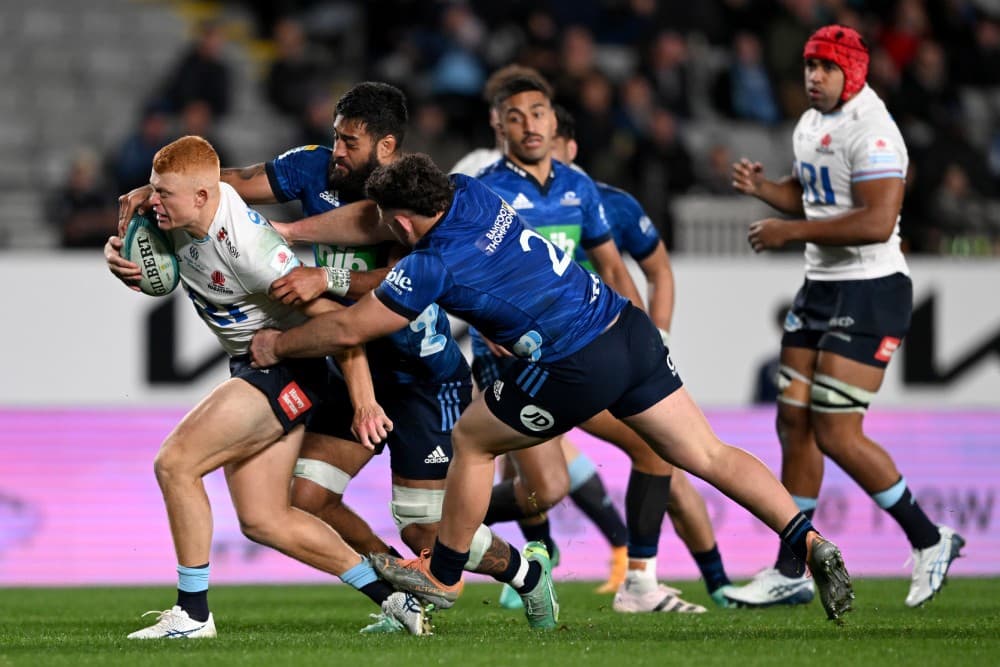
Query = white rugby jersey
x=475 y=161
x=227 y=273
x=860 y=142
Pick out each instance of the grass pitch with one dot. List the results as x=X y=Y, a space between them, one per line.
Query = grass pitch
x=318 y=625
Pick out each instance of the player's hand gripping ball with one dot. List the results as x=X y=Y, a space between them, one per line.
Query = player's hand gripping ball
x=147 y=245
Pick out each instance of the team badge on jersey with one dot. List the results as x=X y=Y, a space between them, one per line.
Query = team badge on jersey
x=824 y=145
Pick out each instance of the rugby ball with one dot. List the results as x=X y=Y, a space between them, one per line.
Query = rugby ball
x=147 y=245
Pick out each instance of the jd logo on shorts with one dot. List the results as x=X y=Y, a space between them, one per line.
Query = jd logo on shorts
x=536 y=419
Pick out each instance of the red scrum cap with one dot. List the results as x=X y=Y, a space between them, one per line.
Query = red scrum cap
x=844 y=47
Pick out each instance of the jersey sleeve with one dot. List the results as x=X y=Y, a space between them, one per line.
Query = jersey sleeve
x=876 y=155
x=596 y=229
x=264 y=256
x=289 y=174
x=414 y=283
x=639 y=237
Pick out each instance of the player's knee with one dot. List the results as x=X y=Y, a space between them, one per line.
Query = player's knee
x=170 y=464
x=833 y=404
x=548 y=494
x=261 y=527
x=326 y=489
x=417 y=513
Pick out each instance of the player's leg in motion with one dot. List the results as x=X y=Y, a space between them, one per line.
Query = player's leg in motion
x=842 y=389
x=235 y=427
x=801 y=473
x=477 y=439
x=533 y=481
x=588 y=493
x=678 y=431
x=325 y=467
x=647 y=499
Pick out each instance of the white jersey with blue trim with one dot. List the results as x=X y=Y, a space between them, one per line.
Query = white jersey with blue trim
x=860 y=142
x=227 y=273
x=477 y=160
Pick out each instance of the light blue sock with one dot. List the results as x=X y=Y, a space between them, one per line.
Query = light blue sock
x=889 y=497
x=193 y=579
x=805 y=504
x=360 y=575
x=580 y=470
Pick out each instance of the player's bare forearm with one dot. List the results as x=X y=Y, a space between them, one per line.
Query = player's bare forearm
x=353 y=364
x=326 y=333
x=331 y=332
x=363 y=282
x=250 y=183
x=660 y=281
x=353 y=224
x=784 y=195
x=873 y=220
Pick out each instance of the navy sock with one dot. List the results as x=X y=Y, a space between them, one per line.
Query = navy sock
x=593 y=500
x=503 y=504
x=377 y=591
x=919 y=529
x=787 y=562
x=645 y=506
x=447 y=564
x=195 y=604
x=712 y=570
x=794 y=535
x=393 y=552
x=539 y=532
x=192 y=590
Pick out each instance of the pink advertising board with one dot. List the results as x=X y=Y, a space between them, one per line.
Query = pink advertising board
x=79 y=504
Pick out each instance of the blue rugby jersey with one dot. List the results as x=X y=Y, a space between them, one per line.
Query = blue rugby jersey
x=483 y=264
x=425 y=351
x=633 y=231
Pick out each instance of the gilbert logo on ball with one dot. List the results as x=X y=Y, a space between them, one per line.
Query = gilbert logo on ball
x=147 y=245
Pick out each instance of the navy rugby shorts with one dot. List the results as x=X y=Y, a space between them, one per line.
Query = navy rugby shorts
x=863 y=320
x=626 y=370
x=422 y=415
x=294 y=387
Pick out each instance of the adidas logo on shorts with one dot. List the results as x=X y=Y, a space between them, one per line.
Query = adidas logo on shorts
x=437 y=456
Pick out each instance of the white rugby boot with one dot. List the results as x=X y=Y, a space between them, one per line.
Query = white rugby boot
x=174 y=623
x=930 y=566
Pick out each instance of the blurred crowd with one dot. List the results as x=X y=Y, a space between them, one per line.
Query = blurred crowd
x=642 y=77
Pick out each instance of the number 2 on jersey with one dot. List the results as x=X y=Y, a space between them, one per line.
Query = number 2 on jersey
x=432 y=342
x=807 y=177
x=559 y=265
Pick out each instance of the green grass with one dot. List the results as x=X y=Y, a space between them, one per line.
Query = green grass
x=318 y=625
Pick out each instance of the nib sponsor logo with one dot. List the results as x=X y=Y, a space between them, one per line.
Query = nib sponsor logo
x=293 y=400
x=437 y=456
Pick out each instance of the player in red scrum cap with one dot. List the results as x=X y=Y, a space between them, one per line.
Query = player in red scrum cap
x=851 y=312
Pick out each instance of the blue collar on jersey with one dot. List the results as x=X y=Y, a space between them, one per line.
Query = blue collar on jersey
x=543 y=188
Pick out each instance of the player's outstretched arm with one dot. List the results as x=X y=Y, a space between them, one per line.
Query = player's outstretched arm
x=609 y=265
x=784 y=195
x=872 y=220
x=122 y=269
x=305 y=283
x=353 y=224
x=251 y=183
x=327 y=333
